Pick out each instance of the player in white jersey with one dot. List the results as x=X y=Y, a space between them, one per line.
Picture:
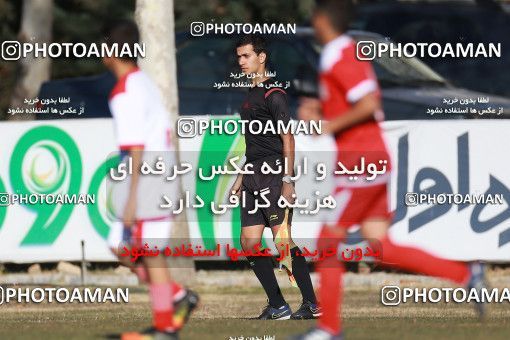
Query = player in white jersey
x=143 y=130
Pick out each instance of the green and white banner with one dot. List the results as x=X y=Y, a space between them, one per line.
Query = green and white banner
x=73 y=157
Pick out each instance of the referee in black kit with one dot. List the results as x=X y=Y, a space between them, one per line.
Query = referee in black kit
x=266 y=102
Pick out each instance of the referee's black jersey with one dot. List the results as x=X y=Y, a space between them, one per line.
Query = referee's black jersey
x=264 y=103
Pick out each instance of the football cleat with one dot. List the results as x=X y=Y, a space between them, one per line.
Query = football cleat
x=184 y=307
x=271 y=313
x=307 y=310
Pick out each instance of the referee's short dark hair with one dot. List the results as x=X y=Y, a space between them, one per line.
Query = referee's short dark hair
x=340 y=12
x=122 y=32
x=257 y=41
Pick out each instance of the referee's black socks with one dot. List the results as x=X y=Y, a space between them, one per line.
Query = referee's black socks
x=264 y=270
x=302 y=276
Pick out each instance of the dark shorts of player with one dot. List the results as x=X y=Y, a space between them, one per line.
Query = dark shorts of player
x=272 y=215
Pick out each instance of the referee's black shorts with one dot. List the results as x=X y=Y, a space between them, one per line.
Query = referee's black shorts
x=252 y=186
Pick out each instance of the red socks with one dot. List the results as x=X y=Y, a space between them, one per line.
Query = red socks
x=330 y=291
x=177 y=291
x=162 y=298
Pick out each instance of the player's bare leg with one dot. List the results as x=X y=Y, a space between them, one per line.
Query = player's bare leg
x=136 y=268
x=184 y=300
x=120 y=237
x=161 y=298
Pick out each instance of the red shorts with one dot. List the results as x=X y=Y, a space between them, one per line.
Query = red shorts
x=355 y=205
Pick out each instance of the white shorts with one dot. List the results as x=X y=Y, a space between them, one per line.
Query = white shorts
x=150 y=190
x=154 y=233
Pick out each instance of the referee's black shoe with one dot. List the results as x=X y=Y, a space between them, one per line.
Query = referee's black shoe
x=270 y=313
x=307 y=310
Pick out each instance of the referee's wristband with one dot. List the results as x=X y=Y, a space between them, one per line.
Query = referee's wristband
x=287 y=179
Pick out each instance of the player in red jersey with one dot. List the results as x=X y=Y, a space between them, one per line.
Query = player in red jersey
x=351 y=106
